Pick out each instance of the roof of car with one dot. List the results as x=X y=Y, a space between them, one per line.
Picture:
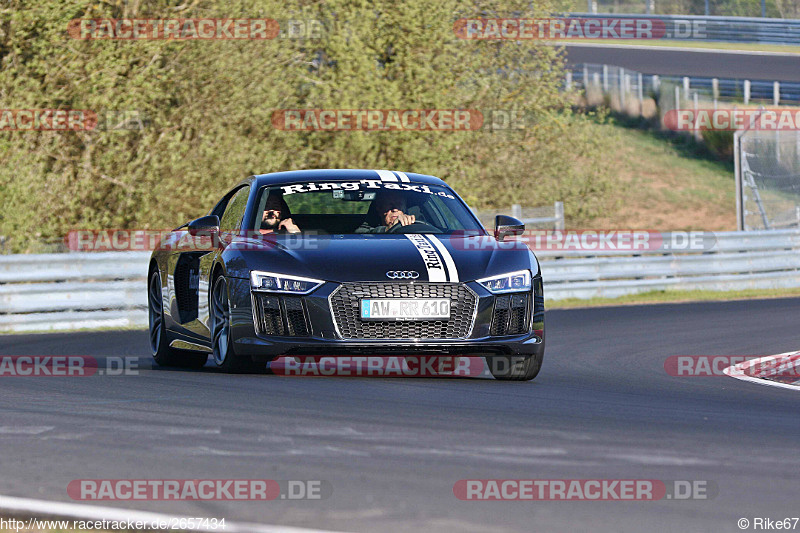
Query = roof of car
x=293 y=176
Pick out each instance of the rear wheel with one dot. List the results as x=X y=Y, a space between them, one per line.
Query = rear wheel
x=159 y=347
x=221 y=339
x=515 y=367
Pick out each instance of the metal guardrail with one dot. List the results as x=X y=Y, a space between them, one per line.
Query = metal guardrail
x=73 y=291
x=90 y=290
x=738 y=260
x=609 y=78
x=719 y=29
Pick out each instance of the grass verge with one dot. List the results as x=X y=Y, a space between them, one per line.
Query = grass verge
x=662 y=297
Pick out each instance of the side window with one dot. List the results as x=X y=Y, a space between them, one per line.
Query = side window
x=232 y=218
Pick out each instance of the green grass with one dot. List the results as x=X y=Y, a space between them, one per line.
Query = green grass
x=666 y=181
x=662 y=297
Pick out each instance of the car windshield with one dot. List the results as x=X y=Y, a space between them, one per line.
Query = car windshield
x=365 y=206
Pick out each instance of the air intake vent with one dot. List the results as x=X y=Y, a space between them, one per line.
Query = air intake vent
x=510 y=314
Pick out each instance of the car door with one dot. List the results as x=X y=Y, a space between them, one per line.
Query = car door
x=188 y=269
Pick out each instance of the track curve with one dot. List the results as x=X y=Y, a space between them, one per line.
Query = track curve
x=602 y=407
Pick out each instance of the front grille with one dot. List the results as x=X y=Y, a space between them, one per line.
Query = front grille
x=280 y=315
x=510 y=315
x=347 y=316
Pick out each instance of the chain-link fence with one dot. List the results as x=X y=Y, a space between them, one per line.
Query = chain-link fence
x=768 y=179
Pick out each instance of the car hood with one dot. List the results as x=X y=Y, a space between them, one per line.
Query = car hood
x=370 y=257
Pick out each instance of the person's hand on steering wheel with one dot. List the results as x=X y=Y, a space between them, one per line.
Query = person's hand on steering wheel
x=404 y=220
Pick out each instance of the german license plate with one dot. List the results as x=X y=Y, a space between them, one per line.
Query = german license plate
x=405 y=308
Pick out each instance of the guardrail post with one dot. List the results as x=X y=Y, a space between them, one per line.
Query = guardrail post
x=516 y=211
x=641 y=93
x=695 y=101
x=776 y=93
x=596 y=80
x=715 y=90
x=568 y=81
x=746 y=92
x=656 y=83
x=605 y=79
x=621 y=86
x=677 y=97
x=558 y=207
x=686 y=87
x=585 y=77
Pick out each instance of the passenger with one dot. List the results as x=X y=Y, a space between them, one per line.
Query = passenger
x=276 y=217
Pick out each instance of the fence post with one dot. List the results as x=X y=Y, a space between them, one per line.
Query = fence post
x=516 y=211
x=558 y=207
x=621 y=86
x=656 y=83
x=746 y=92
x=605 y=79
x=776 y=93
x=686 y=87
x=695 y=101
x=585 y=77
x=569 y=80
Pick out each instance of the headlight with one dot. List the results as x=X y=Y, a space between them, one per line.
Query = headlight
x=271 y=282
x=512 y=282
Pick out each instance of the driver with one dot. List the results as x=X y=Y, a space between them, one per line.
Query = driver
x=390 y=208
x=275 y=217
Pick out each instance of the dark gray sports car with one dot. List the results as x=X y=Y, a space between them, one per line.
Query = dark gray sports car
x=345 y=262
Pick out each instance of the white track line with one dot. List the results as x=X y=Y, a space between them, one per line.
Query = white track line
x=678 y=49
x=738 y=371
x=76 y=511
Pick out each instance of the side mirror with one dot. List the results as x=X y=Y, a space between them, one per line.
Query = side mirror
x=208 y=223
x=505 y=226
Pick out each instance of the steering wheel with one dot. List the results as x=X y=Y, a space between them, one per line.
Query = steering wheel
x=414 y=227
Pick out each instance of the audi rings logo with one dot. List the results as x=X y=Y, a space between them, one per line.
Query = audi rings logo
x=402 y=274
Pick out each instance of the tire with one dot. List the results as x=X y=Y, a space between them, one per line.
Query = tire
x=224 y=354
x=159 y=347
x=515 y=367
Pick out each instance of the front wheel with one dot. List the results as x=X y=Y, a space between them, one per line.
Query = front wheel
x=221 y=339
x=515 y=367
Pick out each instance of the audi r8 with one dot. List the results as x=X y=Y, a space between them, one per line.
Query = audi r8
x=345 y=262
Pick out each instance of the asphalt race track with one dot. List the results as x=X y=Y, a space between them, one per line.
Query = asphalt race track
x=602 y=408
x=666 y=61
